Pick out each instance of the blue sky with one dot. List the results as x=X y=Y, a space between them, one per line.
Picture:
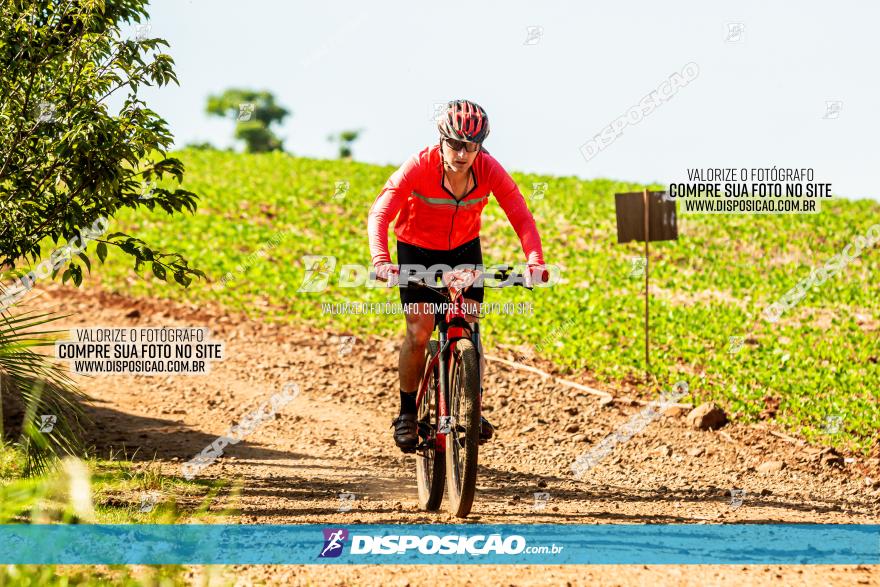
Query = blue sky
x=766 y=72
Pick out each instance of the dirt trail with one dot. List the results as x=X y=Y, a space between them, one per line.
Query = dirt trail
x=336 y=438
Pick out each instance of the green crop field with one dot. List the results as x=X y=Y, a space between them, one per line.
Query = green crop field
x=259 y=215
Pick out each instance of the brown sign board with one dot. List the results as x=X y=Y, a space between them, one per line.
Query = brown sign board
x=630 y=210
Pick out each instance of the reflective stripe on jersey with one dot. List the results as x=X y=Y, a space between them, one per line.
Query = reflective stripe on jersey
x=428 y=216
x=451 y=201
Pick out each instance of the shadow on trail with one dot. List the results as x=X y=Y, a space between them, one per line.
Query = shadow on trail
x=142 y=438
x=303 y=495
x=504 y=485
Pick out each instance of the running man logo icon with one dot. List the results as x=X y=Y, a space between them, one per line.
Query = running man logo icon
x=334 y=540
x=246 y=111
x=541 y=499
x=446 y=424
x=46 y=112
x=142 y=32
x=736 y=498
x=148 y=502
x=438 y=111
x=147 y=189
x=538 y=189
x=345 y=501
x=533 y=35
x=345 y=345
x=637 y=268
x=832 y=109
x=735 y=32
x=735 y=344
x=341 y=190
x=318 y=270
x=832 y=424
x=47 y=423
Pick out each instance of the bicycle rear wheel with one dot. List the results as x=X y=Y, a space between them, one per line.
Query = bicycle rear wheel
x=430 y=467
x=462 y=442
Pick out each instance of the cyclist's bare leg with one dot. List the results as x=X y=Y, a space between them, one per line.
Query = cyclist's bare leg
x=411 y=363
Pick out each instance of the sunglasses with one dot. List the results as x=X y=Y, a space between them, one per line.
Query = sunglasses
x=459 y=145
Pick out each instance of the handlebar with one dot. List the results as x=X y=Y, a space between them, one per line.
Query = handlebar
x=425 y=278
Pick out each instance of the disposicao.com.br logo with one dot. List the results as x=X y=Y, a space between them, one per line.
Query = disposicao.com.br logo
x=449 y=544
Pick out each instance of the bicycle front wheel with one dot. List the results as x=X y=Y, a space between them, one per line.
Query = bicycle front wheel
x=463 y=438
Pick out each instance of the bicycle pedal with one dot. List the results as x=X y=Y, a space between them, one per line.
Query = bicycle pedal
x=425 y=429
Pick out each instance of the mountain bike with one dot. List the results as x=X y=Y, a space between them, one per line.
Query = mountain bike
x=449 y=400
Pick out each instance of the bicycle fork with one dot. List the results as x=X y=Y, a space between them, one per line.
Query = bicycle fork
x=443 y=409
x=478 y=345
x=443 y=392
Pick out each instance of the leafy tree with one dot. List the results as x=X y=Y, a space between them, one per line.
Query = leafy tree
x=345 y=139
x=67 y=162
x=66 y=159
x=254 y=113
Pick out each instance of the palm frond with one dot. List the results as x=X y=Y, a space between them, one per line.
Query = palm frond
x=35 y=381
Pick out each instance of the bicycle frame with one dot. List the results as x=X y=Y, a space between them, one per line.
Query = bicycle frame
x=452 y=327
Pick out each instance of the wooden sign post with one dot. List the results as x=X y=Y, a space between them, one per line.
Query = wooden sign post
x=645 y=216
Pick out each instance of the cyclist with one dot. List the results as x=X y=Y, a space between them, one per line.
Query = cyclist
x=440 y=194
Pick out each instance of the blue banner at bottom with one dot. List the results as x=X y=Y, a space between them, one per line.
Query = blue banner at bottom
x=558 y=544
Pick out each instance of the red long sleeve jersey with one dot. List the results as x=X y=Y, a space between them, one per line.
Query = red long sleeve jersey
x=432 y=218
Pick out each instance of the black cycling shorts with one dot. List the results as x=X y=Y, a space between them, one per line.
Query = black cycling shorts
x=469 y=255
